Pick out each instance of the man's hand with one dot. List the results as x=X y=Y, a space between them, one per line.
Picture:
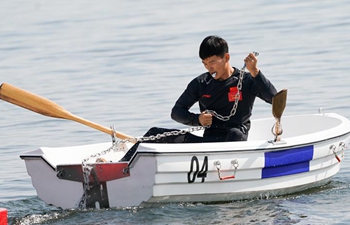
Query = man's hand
x=205 y=119
x=251 y=64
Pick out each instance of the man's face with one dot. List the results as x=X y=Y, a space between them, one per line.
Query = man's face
x=215 y=64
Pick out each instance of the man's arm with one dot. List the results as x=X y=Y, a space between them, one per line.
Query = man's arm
x=180 y=112
x=263 y=88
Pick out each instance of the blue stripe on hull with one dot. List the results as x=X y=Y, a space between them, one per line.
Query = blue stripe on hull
x=287 y=162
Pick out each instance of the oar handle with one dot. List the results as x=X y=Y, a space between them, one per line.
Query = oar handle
x=47 y=107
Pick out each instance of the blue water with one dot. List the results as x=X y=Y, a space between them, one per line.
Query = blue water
x=124 y=63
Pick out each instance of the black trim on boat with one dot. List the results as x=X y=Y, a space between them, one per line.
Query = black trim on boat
x=130 y=153
x=37 y=156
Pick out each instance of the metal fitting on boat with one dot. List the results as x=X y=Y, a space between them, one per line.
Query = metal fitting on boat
x=277 y=130
x=126 y=170
x=217 y=164
x=342 y=145
x=60 y=173
x=342 y=148
x=234 y=163
x=114 y=137
x=321 y=111
x=333 y=148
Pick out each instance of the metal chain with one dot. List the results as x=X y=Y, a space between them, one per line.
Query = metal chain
x=237 y=96
x=166 y=134
x=117 y=145
x=87 y=171
x=235 y=105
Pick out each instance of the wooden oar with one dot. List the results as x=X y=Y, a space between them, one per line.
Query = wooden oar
x=278 y=106
x=47 y=107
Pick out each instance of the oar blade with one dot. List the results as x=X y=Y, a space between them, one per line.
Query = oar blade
x=279 y=103
x=33 y=102
x=47 y=107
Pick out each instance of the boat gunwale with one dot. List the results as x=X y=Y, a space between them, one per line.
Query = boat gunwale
x=139 y=153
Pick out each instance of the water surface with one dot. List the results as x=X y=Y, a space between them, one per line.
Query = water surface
x=124 y=63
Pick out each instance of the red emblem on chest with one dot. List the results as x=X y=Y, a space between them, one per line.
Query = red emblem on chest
x=232 y=94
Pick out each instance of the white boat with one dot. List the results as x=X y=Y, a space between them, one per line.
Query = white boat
x=308 y=154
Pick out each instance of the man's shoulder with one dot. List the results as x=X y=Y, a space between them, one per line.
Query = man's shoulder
x=200 y=81
x=203 y=78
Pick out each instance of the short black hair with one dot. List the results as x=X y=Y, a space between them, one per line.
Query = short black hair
x=211 y=46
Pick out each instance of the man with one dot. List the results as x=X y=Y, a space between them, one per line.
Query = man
x=225 y=95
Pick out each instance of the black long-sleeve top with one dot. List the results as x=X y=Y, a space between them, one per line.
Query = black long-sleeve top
x=219 y=96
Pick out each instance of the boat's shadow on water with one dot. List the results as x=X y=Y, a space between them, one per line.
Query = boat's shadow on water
x=41 y=213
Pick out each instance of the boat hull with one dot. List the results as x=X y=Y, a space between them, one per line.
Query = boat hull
x=207 y=172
